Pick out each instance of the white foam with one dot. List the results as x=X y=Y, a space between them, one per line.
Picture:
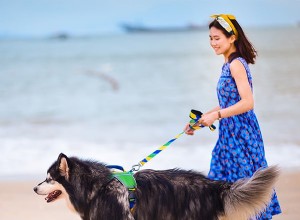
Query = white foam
x=27 y=157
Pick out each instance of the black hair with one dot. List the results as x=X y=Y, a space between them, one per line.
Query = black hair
x=244 y=47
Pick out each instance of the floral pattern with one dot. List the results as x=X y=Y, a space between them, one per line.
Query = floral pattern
x=239 y=151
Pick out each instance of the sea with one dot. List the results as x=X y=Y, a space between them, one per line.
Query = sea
x=116 y=98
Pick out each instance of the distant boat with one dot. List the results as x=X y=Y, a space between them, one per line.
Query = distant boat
x=140 y=28
x=60 y=36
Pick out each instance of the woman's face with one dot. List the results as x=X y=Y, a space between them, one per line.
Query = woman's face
x=219 y=42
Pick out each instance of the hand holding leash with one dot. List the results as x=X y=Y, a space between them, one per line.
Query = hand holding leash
x=194 y=124
x=188 y=129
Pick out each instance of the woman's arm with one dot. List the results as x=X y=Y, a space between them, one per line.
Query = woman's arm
x=213 y=110
x=246 y=103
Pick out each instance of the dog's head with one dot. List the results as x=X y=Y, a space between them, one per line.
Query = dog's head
x=75 y=180
x=57 y=177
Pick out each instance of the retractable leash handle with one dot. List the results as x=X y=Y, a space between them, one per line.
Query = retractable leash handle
x=195 y=115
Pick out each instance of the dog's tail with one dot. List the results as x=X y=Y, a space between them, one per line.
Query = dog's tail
x=250 y=196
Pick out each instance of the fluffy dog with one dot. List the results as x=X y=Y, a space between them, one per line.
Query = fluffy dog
x=175 y=194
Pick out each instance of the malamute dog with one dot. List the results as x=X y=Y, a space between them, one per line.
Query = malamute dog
x=172 y=194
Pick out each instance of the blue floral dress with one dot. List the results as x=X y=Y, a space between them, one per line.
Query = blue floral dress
x=239 y=151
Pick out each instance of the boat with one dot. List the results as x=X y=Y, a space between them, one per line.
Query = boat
x=148 y=29
x=60 y=36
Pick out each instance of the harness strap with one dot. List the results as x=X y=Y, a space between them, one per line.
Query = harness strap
x=128 y=180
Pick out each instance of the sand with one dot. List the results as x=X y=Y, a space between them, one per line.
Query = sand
x=18 y=201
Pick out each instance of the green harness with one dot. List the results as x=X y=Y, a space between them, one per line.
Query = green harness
x=127 y=179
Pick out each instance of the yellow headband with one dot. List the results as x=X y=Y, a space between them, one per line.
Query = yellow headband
x=225 y=22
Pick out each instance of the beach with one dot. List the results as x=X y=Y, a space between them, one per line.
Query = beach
x=19 y=201
x=288 y=191
x=117 y=98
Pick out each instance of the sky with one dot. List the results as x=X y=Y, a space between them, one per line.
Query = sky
x=88 y=17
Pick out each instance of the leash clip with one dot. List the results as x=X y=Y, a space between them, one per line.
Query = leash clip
x=135 y=168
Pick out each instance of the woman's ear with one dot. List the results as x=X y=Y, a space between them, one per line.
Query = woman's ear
x=232 y=39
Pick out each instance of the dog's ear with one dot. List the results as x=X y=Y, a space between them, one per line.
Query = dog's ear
x=63 y=165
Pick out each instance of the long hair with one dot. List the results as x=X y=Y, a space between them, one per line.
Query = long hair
x=244 y=47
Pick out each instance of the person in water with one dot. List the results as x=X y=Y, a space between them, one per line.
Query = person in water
x=239 y=150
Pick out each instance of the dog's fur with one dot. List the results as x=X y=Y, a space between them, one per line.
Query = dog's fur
x=160 y=195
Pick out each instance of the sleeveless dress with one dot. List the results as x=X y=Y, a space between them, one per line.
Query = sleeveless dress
x=239 y=151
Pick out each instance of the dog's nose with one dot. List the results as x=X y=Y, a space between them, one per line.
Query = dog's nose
x=35 y=189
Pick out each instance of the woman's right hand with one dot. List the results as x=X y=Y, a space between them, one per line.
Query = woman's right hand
x=188 y=130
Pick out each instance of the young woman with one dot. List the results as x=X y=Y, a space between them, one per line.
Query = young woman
x=239 y=151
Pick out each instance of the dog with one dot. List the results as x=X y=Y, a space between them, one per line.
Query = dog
x=175 y=194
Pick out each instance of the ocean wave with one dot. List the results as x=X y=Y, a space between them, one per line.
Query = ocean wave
x=24 y=158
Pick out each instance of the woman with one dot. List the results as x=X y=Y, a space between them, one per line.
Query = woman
x=239 y=151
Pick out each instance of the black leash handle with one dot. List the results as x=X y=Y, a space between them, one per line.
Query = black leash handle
x=196 y=115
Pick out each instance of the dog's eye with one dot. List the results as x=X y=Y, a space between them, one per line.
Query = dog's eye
x=49 y=180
